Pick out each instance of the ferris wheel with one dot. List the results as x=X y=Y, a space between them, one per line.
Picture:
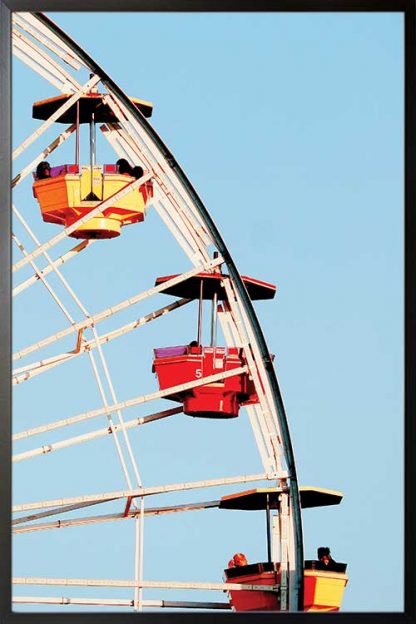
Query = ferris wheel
x=219 y=381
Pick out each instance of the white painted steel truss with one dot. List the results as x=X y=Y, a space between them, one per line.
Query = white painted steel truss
x=45 y=53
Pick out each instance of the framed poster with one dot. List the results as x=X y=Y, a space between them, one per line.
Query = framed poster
x=207 y=367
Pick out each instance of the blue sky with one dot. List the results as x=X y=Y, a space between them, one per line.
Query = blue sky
x=290 y=126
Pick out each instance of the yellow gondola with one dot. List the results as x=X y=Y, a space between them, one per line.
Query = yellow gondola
x=71 y=191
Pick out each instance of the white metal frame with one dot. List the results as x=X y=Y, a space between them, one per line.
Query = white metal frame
x=45 y=53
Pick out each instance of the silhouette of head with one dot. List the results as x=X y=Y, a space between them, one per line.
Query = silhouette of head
x=123 y=166
x=43 y=170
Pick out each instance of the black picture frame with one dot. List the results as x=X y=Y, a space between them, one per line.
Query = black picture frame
x=408 y=8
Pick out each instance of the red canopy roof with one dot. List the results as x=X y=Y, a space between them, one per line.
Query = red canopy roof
x=88 y=103
x=190 y=288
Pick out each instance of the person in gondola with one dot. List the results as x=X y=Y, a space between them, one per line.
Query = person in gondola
x=238 y=560
x=325 y=560
x=137 y=172
x=194 y=347
x=124 y=167
x=43 y=170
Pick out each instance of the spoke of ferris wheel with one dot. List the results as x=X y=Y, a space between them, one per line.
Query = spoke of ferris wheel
x=94 y=499
x=19 y=580
x=179 y=219
x=92 y=435
x=180 y=224
x=145 y=398
x=138 y=556
x=254 y=361
x=133 y=135
x=53 y=266
x=41 y=277
x=259 y=423
x=121 y=137
x=260 y=426
x=118 y=412
x=170 y=183
x=100 y=384
x=34 y=27
x=113 y=397
x=27 y=59
x=265 y=410
x=126 y=515
x=189 y=234
x=27 y=47
x=87 y=216
x=44 y=281
x=260 y=433
x=46 y=124
x=177 y=233
x=125 y=147
x=55 y=512
x=58 y=262
x=262 y=436
x=51 y=263
x=117 y=444
x=36 y=368
x=121 y=145
x=114 y=431
x=96 y=374
x=27 y=522
x=61 y=138
x=121 y=602
x=168 y=176
x=100 y=316
x=150 y=511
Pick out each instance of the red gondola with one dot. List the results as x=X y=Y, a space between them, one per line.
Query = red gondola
x=254 y=574
x=175 y=366
x=220 y=399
